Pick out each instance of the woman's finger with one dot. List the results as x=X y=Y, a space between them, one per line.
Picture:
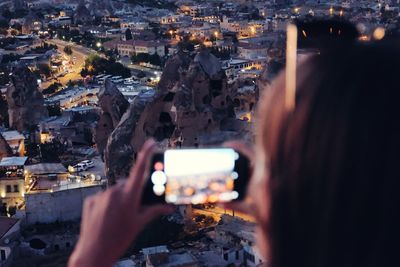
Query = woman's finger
x=134 y=184
x=152 y=212
x=242 y=148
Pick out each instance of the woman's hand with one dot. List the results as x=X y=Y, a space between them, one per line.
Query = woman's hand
x=247 y=205
x=111 y=220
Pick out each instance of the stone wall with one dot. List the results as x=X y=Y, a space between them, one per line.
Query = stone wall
x=65 y=205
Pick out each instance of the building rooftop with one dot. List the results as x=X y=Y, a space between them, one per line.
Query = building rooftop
x=155 y=250
x=236 y=226
x=125 y=263
x=46 y=168
x=59 y=120
x=29 y=58
x=211 y=258
x=143 y=43
x=173 y=260
x=12 y=135
x=6 y=224
x=13 y=161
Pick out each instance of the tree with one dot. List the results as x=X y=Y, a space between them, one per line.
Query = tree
x=4 y=24
x=222 y=54
x=128 y=35
x=187 y=44
x=155 y=59
x=141 y=74
x=68 y=50
x=95 y=65
x=51 y=89
x=51 y=151
x=7 y=58
x=44 y=69
x=142 y=57
x=3 y=112
x=54 y=110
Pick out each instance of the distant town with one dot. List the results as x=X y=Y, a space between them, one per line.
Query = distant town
x=83 y=84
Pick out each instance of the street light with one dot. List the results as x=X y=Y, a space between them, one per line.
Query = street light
x=98 y=44
x=331 y=10
x=379 y=33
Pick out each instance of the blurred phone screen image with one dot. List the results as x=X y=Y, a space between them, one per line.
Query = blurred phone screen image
x=196 y=176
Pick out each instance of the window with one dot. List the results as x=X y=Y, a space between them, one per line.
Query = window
x=2 y=255
x=16 y=188
x=8 y=188
x=248 y=256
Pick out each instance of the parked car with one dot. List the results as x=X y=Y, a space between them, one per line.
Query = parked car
x=77 y=168
x=89 y=164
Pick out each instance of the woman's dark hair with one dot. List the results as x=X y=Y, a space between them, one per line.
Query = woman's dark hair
x=335 y=161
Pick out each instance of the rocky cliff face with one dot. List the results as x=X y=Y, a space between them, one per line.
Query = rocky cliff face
x=101 y=8
x=192 y=102
x=25 y=102
x=113 y=105
x=5 y=150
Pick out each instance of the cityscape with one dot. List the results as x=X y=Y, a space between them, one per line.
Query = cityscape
x=84 y=83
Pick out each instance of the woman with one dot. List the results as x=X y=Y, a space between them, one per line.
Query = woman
x=326 y=179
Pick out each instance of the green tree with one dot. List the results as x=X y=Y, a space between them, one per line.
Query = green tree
x=54 y=110
x=95 y=65
x=68 y=50
x=128 y=35
x=51 y=89
x=44 y=69
x=187 y=44
x=146 y=58
x=155 y=59
x=51 y=151
x=3 y=112
x=3 y=23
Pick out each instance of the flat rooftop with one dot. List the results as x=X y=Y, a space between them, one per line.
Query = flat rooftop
x=46 y=168
x=6 y=224
x=13 y=161
x=12 y=135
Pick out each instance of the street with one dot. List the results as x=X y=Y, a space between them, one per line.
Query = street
x=216 y=212
x=79 y=52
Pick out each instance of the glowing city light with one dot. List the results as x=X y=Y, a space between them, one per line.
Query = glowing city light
x=379 y=33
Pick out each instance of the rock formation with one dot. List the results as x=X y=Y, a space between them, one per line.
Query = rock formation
x=100 y=8
x=189 y=108
x=82 y=14
x=5 y=150
x=113 y=105
x=25 y=102
x=18 y=4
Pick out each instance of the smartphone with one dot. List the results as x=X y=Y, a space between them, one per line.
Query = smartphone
x=197 y=176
